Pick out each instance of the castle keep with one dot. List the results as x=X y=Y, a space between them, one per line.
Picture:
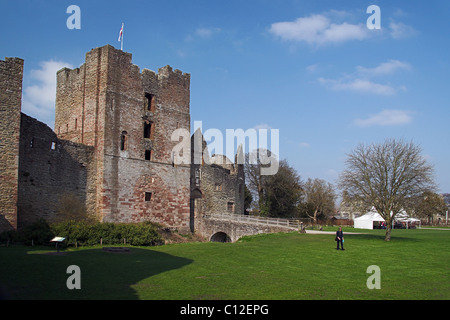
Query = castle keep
x=111 y=152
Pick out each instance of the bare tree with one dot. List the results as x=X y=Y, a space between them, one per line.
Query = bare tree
x=319 y=198
x=388 y=176
x=430 y=204
x=255 y=180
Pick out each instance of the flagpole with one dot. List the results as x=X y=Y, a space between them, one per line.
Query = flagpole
x=121 y=43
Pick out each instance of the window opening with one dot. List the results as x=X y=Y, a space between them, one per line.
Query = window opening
x=124 y=141
x=148 y=155
x=147 y=129
x=149 y=102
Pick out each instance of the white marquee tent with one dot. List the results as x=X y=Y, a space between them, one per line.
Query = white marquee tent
x=366 y=221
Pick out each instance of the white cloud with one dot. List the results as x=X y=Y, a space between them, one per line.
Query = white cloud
x=360 y=81
x=386 y=118
x=358 y=85
x=39 y=98
x=206 y=33
x=399 y=30
x=318 y=29
x=312 y=68
x=385 y=68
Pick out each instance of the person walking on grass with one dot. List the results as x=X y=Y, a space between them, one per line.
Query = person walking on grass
x=340 y=238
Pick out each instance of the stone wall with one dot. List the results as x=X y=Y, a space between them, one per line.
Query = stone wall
x=128 y=117
x=11 y=73
x=220 y=187
x=217 y=184
x=111 y=150
x=207 y=228
x=51 y=171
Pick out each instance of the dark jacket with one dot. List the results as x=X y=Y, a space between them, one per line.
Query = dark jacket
x=339 y=234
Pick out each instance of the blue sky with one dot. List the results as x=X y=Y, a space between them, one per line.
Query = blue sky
x=311 y=69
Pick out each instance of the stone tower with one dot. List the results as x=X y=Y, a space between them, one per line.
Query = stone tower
x=11 y=73
x=128 y=117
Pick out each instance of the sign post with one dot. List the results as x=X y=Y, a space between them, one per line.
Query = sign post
x=57 y=240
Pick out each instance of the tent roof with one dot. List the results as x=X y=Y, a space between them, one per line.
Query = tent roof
x=371 y=216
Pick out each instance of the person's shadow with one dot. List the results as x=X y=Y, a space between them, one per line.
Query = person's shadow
x=103 y=275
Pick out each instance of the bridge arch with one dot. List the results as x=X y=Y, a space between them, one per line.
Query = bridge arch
x=220 y=237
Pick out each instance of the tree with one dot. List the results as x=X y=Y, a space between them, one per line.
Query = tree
x=387 y=176
x=257 y=169
x=254 y=178
x=430 y=204
x=277 y=194
x=248 y=198
x=282 y=192
x=319 y=198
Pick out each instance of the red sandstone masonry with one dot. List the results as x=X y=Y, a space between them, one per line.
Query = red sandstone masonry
x=106 y=98
x=101 y=150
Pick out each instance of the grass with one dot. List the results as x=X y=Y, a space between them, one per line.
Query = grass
x=283 y=266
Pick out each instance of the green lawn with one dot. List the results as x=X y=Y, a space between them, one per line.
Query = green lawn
x=414 y=265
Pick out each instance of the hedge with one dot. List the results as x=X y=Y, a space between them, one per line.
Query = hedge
x=80 y=233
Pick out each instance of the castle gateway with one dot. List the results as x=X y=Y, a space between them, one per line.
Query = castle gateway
x=111 y=153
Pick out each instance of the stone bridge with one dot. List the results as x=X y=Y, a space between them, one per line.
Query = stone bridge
x=231 y=227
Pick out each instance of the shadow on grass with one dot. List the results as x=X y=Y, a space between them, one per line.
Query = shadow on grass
x=381 y=237
x=30 y=274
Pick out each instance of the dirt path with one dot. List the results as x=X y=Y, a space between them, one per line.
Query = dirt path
x=329 y=232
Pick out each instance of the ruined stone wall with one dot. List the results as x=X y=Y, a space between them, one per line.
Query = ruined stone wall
x=167 y=200
x=80 y=99
x=172 y=110
x=11 y=74
x=217 y=184
x=51 y=171
x=80 y=109
x=222 y=189
x=130 y=173
x=112 y=148
x=115 y=110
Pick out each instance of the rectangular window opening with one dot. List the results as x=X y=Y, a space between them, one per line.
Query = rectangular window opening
x=147 y=129
x=149 y=102
x=148 y=196
x=230 y=206
x=148 y=155
x=124 y=141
